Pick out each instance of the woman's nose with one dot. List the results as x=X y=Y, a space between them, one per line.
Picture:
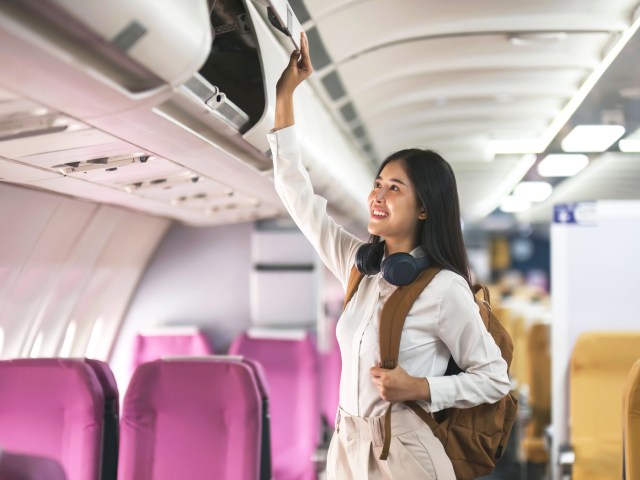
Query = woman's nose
x=380 y=195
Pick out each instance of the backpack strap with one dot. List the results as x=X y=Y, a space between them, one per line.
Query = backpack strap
x=352 y=286
x=394 y=313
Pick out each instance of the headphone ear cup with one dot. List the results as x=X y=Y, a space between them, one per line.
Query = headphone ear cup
x=369 y=257
x=402 y=268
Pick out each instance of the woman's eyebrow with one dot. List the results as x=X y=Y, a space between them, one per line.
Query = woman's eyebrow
x=395 y=180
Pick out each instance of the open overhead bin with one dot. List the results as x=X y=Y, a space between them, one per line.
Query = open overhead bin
x=190 y=83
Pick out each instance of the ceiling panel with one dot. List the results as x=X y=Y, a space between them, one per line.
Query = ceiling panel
x=482 y=52
x=363 y=25
x=453 y=76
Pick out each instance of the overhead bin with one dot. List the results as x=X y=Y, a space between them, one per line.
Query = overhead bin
x=136 y=44
x=201 y=96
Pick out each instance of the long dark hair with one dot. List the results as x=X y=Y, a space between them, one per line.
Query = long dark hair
x=440 y=235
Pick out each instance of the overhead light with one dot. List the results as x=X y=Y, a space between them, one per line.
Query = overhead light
x=562 y=165
x=511 y=147
x=533 y=191
x=513 y=204
x=631 y=143
x=591 y=138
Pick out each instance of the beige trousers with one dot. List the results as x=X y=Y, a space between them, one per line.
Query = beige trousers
x=415 y=452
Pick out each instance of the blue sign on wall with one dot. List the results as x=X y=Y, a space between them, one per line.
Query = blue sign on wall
x=580 y=213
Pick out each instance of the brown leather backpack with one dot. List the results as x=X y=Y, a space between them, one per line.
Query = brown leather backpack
x=474 y=438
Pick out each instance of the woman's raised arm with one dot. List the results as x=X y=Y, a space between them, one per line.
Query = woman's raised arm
x=298 y=70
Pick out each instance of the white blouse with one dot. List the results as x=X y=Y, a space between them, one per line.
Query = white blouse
x=443 y=322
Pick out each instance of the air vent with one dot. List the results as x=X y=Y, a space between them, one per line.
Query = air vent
x=202 y=198
x=163 y=183
x=109 y=164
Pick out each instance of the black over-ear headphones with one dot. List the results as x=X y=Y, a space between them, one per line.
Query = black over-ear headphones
x=398 y=269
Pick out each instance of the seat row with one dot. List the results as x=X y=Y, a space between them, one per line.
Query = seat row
x=198 y=418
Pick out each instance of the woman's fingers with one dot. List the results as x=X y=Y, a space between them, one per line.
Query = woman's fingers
x=295 y=55
x=305 y=58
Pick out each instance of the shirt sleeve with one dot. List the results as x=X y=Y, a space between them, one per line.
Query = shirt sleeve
x=335 y=246
x=484 y=378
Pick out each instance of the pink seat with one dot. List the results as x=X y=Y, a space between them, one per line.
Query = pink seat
x=263 y=387
x=53 y=408
x=15 y=466
x=191 y=418
x=291 y=367
x=148 y=348
x=111 y=419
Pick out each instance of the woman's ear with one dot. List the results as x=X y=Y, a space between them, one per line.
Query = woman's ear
x=422 y=215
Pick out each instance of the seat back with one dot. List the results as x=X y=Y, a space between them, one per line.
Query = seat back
x=539 y=364
x=150 y=347
x=111 y=419
x=53 y=408
x=15 y=466
x=631 y=423
x=266 y=471
x=191 y=418
x=600 y=363
x=291 y=367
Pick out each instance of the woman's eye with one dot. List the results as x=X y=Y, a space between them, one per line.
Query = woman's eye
x=395 y=188
x=376 y=185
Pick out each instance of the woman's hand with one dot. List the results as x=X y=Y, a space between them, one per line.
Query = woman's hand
x=398 y=386
x=298 y=70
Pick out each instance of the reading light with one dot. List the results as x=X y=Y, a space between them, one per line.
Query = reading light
x=591 y=138
x=513 y=204
x=562 y=165
x=533 y=191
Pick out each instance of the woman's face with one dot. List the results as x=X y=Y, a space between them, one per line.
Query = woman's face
x=393 y=207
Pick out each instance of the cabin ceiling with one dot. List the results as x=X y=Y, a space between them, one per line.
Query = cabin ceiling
x=492 y=85
x=483 y=83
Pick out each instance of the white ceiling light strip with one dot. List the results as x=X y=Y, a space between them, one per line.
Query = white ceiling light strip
x=631 y=143
x=591 y=138
x=533 y=191
x=562 y=165
x=563 y=117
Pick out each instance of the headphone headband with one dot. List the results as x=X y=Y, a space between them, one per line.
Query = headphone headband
x=398 y=269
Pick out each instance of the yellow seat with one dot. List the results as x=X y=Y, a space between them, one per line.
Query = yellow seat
x=600 y=363
x=539 y=366
x=631 y=423
x=519 y=364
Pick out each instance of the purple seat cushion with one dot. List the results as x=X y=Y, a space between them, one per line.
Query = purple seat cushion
x=148 y=348
x=191 y=418
x=53 y=408
x=14 y=466
x=291 y=368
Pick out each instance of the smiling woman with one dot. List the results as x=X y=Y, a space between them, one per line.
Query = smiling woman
x=414 y=206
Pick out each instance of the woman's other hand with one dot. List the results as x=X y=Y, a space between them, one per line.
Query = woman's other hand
x=398 y=386
x=298 y=69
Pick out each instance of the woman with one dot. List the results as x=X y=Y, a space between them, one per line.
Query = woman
x=413 y=205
